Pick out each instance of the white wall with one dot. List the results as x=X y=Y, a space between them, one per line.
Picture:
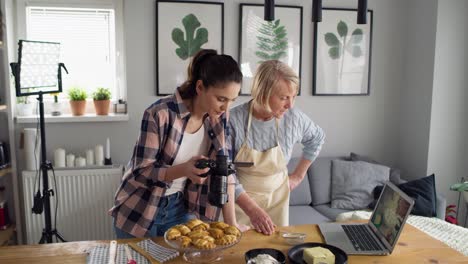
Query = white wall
x=416 y=93
x=447 y=148
x=412 y=119
x=365 y=124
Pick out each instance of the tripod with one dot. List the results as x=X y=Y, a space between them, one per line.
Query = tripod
x=47 y=232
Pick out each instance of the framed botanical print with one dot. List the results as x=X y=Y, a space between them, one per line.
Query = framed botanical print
x=261 y=40
x=342 y=53
x=182 y=29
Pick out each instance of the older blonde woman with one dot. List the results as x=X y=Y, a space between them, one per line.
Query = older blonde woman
x=264 y=131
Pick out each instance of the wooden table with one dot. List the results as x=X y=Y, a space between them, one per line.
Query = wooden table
x=414 y=246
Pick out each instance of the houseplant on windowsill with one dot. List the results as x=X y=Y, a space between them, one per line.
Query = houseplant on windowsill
x=101 y=99
x=77 y=98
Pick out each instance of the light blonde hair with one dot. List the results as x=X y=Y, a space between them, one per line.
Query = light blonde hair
x=268 y=74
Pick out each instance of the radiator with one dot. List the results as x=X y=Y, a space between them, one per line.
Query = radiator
x=84 y=197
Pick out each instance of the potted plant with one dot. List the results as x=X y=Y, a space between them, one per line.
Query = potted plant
x=101 y=99
x=77 y=98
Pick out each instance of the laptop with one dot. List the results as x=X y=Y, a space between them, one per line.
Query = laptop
x=380 y=234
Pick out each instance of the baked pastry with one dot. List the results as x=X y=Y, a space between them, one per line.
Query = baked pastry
x=173 y=233
x=232 y=230
x=209 y=238
x=220 y=225
x=202 y=226
x=183 y=229
x=216 y=232
x=197 y=234
x=193 y=223
x=185 y=241
x=203 y=244
x=226 y=240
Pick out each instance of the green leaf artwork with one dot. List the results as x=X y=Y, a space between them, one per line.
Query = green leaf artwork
x=341 y=42
x=272 y=41
x=194 y=39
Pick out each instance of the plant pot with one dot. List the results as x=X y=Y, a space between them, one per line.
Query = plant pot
x=78 y=108
x=101 y=107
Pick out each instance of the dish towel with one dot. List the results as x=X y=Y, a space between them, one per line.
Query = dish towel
x=159 y=253
x=100 y=254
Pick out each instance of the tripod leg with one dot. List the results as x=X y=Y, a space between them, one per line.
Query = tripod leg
x=44 y=237
x=59 y=236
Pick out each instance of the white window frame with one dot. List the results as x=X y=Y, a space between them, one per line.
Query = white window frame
x=116 y=5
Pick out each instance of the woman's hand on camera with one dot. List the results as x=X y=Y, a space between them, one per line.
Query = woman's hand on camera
x=192 y=172
x=187 y=169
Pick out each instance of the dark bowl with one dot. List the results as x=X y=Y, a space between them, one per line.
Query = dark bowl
x=278 y=255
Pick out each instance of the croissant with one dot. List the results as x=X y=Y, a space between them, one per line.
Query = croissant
x=203 y=244
x=197 y=234
x=209 y=238
x=216 y=232
x=232 y=230
x=226 y=240
x=184 y=241
x=202 y=226
x=193 y=223
x=173 y=233
x=183 y=229
x=220 y=225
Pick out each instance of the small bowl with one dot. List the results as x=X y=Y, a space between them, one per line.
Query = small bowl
x=294 y=238
x=276 y=254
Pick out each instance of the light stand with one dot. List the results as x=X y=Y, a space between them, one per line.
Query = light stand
x=38 y=72
x=47 y=232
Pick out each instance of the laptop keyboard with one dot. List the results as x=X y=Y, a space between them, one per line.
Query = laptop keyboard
x=361 y=238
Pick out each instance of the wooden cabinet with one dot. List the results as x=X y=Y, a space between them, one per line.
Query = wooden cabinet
x=8 y=175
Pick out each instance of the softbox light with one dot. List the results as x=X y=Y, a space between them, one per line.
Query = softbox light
x=38 y=69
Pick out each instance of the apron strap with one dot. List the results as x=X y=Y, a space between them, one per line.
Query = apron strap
x=249 y=122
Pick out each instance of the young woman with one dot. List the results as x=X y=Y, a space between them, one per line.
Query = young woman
x=162 y=186
x=264 y=132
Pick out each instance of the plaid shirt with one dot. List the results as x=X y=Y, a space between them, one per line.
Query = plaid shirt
x=162 y=129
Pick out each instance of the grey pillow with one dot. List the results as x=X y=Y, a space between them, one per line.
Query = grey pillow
x=354 y=181
x=395 y=174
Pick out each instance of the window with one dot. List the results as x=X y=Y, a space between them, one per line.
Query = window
x=90 y=38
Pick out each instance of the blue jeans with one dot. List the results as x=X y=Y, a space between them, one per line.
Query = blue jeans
x=171 y=211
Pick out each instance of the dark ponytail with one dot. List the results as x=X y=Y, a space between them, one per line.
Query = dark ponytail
x=212 y=69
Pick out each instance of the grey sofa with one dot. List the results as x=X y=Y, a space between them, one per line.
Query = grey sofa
x=310 y=202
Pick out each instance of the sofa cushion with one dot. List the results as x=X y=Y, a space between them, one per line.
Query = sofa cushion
x=304 y=214
x=329 y=212
x=301 y=194
x=320 y=180
x=395 y=174
x=354 y=181
x=423 y=192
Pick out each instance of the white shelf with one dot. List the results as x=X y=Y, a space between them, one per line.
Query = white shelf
x=74 y=119
x=3 y=108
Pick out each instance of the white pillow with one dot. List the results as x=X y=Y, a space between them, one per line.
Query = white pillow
x=354 y=181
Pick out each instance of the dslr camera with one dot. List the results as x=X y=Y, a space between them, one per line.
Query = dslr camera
x=219 y=171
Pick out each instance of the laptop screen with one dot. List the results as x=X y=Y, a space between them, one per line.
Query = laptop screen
x=390 y=213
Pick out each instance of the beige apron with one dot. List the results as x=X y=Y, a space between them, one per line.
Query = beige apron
x=266 y=182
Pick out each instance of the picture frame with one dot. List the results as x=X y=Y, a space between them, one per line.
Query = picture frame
x=203 y=21
x=255 y=41
x=342 y=71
